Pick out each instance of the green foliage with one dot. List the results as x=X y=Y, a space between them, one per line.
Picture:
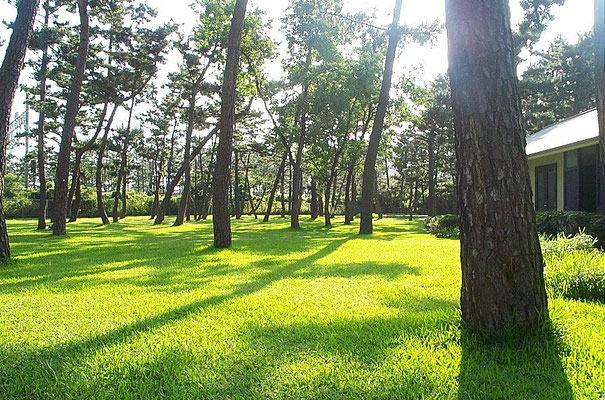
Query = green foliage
x=443 y=226
x=575 y=269
x=560 y=84
x=552 y=223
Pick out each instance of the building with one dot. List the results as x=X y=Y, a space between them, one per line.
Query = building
x=564 y=165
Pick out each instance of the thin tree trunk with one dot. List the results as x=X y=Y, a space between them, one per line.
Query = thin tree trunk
x=348 y=211
x=369 y=170
x=431 y=172
x=502 y=266
x=71 y=111
x=187 y=158
x=220 y=197
x=99 y=171
x=313 y=198
x=278 y=177
x=237 y=202
x=163 y=209
x=41 y=127
x=283 y=195
x=120 y=186
x=297 y=178
x=599 y=38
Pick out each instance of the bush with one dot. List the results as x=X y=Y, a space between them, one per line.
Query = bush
x=443 y=226
x=552 y=223
x=574 y=267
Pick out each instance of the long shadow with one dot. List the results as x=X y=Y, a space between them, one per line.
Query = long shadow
x=516 y=365
x=60 y=356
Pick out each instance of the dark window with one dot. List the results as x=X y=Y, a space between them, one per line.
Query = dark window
x=546 y=187
x=572 y=181
x=588 y=178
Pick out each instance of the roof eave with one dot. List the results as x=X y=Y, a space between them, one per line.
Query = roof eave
x=566 y=147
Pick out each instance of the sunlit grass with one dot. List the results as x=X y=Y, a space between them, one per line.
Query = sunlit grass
x=136 y=311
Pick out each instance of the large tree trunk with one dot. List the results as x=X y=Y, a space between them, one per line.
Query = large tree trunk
x=220 y=193
x=369 y=170
x=42 y=127
x=71 y=112
x=180 y=217
x=502 y=266
x=599 y=38
x=9 y=79
x=278 y=178
x=99 y=171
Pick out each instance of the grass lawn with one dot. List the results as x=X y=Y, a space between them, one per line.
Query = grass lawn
x=136 y=311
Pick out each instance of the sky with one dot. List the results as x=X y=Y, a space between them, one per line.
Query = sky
x=574 y=17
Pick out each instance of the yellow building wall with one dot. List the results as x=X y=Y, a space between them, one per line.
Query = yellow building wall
x=558 y=159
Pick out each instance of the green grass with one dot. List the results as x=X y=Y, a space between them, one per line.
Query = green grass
x=138 y=312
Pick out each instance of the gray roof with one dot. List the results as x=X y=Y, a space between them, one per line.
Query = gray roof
x=582 y=128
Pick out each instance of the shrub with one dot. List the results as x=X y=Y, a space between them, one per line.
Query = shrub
x=443 y=226
x=574 y=267
x=552 y=223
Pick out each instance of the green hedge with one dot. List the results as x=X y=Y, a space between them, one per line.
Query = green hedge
x=552 y=223
x=443 y=226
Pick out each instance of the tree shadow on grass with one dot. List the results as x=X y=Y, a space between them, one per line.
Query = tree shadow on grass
x=515 y=365
x=58 y=358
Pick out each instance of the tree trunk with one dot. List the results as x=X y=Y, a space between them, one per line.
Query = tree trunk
x=278 y=177
x=348 y=213
x=9 y=79
x=99 y=171
x=73 y=211
x=164 y=207
x=313 y=199
x=431 y=172
x=187 y=158
x=41 y=127
x=283 y=194
x=120 y=186
x=502 y=266
x=599 y=38
x=220 y=194
x=237 y=201
x=71 y=112
x=369 y=170
x=327 y=216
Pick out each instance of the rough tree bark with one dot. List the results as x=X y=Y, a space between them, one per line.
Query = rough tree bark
x=71 y=111
x=369 y=170
x=9 y=79
x=502 y=266
x=220 y=194
x=599 y=38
